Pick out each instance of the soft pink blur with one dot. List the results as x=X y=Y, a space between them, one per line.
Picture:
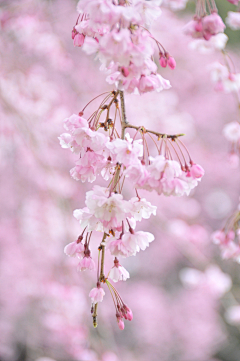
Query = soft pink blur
x=178 y=289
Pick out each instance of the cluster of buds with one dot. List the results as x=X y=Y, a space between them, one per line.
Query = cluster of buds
x=206 y=22
x=103 y=152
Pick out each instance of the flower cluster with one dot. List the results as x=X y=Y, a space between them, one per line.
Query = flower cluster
x=117 y=33
x=119 y=37
x=101 y=152
x=205 y=25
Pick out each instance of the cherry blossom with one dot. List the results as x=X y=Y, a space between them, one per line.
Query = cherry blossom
x=87 y=263
x=118 y=272
x=74 y=249
x=233 y=20
x=96 y=294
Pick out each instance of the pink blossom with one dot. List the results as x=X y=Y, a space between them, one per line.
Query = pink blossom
x=217 y=42
x=86 y=263
x=118 y=247
x=88 y=166
x=220 y=75
x=126 y=151
x=118 y=272
x=212 y=25
x=138 y=174
x=74 y=122
x=74 y=248
x=96 y=294
x=141 y=208
x=137 y=241
x=109 y=210
x=233 y=20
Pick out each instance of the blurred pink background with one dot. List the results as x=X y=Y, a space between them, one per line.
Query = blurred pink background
x=180 y=290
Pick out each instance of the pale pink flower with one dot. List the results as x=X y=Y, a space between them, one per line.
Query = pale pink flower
x=86 y=219
x=161 y=167
x=109 y=210
x=164 y=84
x=212 y=25
x=148 y=83
x=137 y=174
x=90 y=46
x=217 y=42
x=74 y=122
x=74 y=249
x=231 y=131
x=233 y=20
x=141 y=208
x=137 y=241
x=126 y=151
x=86 y=263
x=67 y=141
x=94 y=140
x=220 y=75
x=96 y=294
x=118 y=247
x=118 y=272
x=88 y=166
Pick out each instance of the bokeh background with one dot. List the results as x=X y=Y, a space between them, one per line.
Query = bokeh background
x=182 y=294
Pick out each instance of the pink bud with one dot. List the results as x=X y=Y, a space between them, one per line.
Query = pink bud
x=163 y=61
x=74 y=33
x=197 y=171
x=120 y=323
x=171 y=62
x=198 y=26
x=129 y=315
x=78 y=40
x=125 y=71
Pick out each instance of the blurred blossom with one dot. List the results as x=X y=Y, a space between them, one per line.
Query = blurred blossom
x=232 y=315
x=217 y=204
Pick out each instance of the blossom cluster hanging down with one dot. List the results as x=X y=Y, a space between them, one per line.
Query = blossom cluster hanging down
x=117 y=33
